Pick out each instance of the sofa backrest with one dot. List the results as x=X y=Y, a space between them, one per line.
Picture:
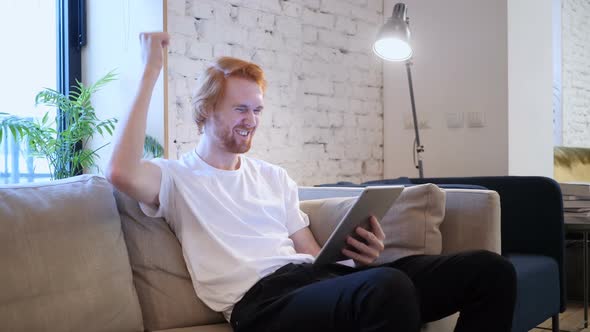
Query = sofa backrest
x=163 y=283
x=471 y=218
x=63 y=260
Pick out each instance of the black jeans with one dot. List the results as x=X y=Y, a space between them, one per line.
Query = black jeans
x=399 y=296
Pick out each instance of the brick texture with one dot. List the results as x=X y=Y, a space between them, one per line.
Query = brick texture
x=323 y=117
x=576 y=72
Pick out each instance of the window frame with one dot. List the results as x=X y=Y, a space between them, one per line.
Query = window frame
x=71 y=39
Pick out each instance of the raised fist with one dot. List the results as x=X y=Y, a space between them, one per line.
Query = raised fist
x=152 y=48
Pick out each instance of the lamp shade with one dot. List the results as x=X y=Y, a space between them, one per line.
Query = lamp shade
x=393 y=40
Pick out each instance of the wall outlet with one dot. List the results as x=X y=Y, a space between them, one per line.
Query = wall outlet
x=476 y=119
x=454 y=120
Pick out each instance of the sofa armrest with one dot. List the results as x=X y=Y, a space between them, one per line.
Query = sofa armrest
x=472 y=221
x=532 y=215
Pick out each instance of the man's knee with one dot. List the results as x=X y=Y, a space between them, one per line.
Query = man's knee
x=494 y=261
x=391 y=295
x=384 y=282
x=493 y=266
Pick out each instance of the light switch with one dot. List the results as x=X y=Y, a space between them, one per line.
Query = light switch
x=423 y=121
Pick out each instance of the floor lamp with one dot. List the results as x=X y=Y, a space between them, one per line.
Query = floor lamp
x=393 y=44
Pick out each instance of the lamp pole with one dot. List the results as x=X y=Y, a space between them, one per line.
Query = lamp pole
x=393 y=44
x=419 y=147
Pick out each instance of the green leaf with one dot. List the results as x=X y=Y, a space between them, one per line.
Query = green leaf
x=13 y=131
x=82 y=123
x=152 y=147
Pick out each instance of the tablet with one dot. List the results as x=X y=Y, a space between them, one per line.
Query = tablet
x=376 y=201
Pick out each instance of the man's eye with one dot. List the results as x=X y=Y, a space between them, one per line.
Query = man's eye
x=257 y=111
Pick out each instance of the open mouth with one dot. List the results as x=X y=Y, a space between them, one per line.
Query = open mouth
x=243 y=133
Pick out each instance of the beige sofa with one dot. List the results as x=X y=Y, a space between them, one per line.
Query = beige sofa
x=76 y=256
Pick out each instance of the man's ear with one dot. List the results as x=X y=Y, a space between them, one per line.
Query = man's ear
x=207 y=116
x=209 y=110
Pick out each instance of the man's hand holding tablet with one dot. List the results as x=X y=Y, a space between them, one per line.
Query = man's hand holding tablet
x=359 y=235
x=368 y=249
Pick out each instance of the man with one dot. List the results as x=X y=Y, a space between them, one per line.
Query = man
x=245 y=214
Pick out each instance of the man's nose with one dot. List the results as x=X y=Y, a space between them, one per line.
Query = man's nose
x=251 y=119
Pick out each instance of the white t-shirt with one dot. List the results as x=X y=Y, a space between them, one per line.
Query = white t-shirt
x=234 y=226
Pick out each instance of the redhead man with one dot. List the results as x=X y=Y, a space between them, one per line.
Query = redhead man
x=248 y=247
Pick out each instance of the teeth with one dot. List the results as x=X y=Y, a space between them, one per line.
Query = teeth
x=243 y=132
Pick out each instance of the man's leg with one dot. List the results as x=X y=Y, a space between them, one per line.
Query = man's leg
x=479 y=284
x=378 y=299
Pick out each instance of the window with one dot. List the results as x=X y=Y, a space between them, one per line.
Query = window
x=43 y=39
x=557 y=85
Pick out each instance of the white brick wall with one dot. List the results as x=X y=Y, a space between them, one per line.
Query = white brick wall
x=323 y=117
x=576 y=72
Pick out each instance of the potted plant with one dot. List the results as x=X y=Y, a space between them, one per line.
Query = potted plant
x=64 y=149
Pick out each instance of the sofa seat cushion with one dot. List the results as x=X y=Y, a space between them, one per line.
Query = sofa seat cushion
x=166 y=294
x=64 y=263
x=204 y=328
x=537 y=290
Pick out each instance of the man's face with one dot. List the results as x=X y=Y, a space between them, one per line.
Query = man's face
x=236 y=116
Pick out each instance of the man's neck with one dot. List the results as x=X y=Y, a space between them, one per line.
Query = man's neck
x=216 y=158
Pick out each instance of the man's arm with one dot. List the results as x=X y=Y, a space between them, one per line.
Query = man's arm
x=126 y=170
x=305 y=243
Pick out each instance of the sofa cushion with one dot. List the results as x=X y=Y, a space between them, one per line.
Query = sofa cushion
x=472 y=221
x=537 y=291
x=324 y=215
x=64 y=262
x=166 y=294
x=411 y=225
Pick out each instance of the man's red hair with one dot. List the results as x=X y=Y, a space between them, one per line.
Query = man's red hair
x=211 y=86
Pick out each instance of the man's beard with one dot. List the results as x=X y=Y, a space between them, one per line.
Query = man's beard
x=227 y=136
